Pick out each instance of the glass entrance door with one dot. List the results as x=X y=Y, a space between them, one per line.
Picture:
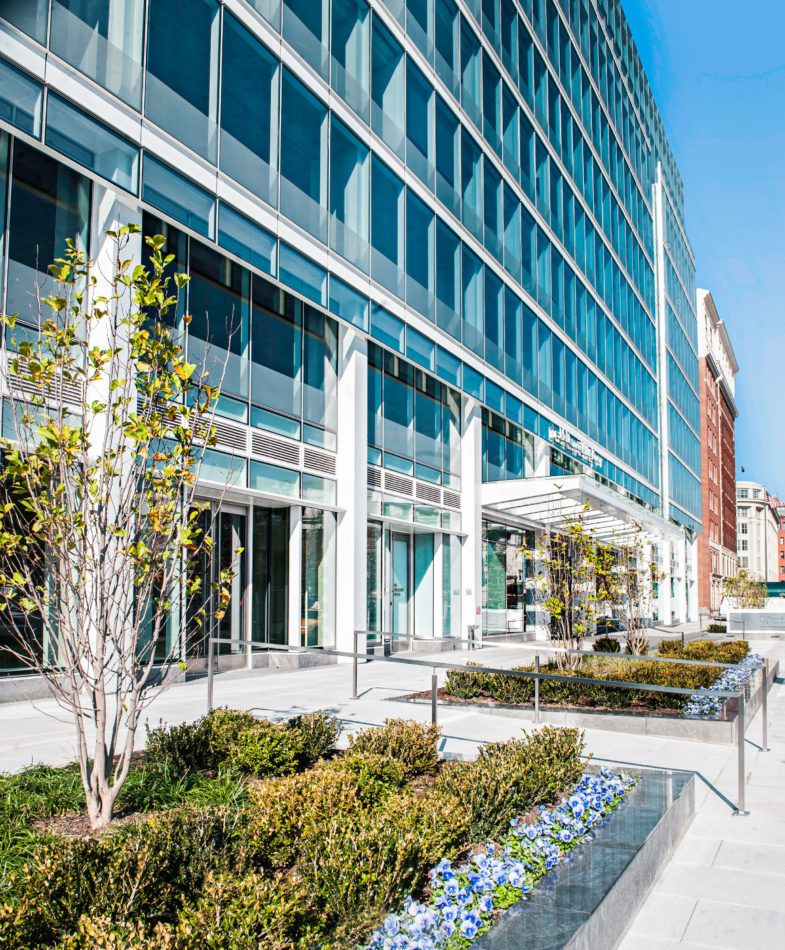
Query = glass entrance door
x=399 y=571
x=227 y=529
x=270 y=575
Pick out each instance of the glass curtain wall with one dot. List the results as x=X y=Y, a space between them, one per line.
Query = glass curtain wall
x=503 y=579
x=318 y=578
x=103 y=39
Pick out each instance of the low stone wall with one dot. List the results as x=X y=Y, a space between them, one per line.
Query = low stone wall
x=757 y=624
x=32 y=686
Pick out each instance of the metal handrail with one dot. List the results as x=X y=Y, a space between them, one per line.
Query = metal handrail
x=534 y=674
x=648 y=657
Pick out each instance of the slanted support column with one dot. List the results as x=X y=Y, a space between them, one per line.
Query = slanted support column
x=471 y=515
x=351 y=535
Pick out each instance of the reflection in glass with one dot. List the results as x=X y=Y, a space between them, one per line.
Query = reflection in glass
x=270 y=575
x=306 y=27
x=49 y=203
x=303 y=158
x=350 y=48
x=375 y=576
x=103 y=39
x=387 y=87
x=182 y=71
x=318 y=578
x=249 y=112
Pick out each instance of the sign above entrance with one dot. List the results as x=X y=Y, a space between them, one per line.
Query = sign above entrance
x=566 y=440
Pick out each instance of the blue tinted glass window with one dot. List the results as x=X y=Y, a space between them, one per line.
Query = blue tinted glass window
x=448 y=367
x=419 y=124
x=387 y=230
x=448 y=279
x=350 y=187
x=492 y=103
x=303 y=157
x=448 y=147
x=306 y=26
x=20 y=99
x=49 y=204
x=530 y=350
x=509 y=37
x=473 y=317
x=510 y=151
x=92 y=144
x=420 y=349
x=493 y=204
x=471 y=74
x=182 y=71
x=249 y=112
x=387 y=329
x=103 y=40
x=512 y=232
x=181 y=199
x=29 y=16
x=348 y=304
x=471 y=181
x=276 y=349
x=448 y=37
x=388 y=85
x=302 y=275
x=419 y=25
x=513 y=336
x=420 y=234
x=247 y=240
x=350 y=48
x=494 y=320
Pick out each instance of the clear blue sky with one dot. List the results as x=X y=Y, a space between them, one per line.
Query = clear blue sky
x=717 y=70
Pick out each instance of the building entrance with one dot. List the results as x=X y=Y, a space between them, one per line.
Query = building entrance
x=270 y=575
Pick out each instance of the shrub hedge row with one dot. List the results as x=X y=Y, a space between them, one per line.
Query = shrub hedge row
x=313 y=854
x=511 y=690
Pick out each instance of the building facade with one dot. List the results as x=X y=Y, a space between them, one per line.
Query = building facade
x=758 y=531
x=717 y=545
x=452 y=233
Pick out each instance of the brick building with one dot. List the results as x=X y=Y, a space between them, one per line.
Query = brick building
x=717 y=544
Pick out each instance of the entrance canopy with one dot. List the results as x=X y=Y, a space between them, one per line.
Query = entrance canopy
x=551 y=502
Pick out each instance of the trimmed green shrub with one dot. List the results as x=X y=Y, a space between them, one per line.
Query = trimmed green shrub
x=606 y=645
x=411 y=743
x=226 y=726
x=717 y=628
x=277 y=913
x=185 y=748
x=360 y=863
x=376 y=776
x=729 y=651
x=467 y=684
x=509 y=778
x=267 y=748
x=319 y=733
x=145 y=870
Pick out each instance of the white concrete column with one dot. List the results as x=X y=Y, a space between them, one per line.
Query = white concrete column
x=471 y=515
x=294 y=607
x=351 y=600
x=542 y=458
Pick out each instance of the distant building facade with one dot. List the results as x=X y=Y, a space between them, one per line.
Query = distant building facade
x=758 y=531
x=717 y=543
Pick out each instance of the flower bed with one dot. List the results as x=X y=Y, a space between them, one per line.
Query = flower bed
x=465 y=900
x=705 y=706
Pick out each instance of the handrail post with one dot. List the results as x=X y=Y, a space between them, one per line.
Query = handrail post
x=741 y=809
x=210 y=648
x=434 y=694
x=765 y=707
x=537 y=688
x=354 y=665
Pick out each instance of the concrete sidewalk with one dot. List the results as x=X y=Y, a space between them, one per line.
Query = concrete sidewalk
x=724 y=887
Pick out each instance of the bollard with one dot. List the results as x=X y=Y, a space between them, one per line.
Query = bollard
x=765 y=708
x=434 y=689
x=210 y=647
x=741 y=809
x=354 y=668
x=537 y=688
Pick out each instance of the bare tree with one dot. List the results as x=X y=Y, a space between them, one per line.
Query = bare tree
x=100 y=530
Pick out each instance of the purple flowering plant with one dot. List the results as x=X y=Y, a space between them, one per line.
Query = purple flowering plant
x=705 y=706
x=464 y=900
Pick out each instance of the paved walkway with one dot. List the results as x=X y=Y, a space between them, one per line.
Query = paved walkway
x=725 y=886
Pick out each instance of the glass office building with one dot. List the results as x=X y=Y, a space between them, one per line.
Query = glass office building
x=449 y=235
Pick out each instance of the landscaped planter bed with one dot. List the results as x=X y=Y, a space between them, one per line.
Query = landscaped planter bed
x=234 y=832
x=583 y=705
